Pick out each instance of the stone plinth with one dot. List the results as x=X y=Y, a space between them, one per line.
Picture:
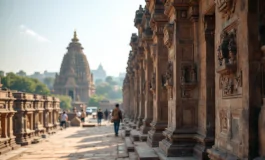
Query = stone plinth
x=23 y=119
x=7 y=140
x=38 y=115
x=48 y=114
x=55 y=113
x=156 y=134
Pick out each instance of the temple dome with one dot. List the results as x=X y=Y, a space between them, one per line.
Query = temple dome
x=75 y=61
x=75 y=78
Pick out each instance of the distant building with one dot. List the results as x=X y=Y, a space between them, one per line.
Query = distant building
x=75 y=78
x=99 y=73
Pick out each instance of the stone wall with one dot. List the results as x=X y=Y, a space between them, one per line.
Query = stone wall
x=195 y=78
x=25 y=118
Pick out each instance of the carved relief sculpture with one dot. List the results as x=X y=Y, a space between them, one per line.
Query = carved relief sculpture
x=168 y=34
x=227 y=49
x=188 y=78
x=223 y=120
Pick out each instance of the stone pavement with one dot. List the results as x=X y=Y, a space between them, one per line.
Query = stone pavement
x=78 y=143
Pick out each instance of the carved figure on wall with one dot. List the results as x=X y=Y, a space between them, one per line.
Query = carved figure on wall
x=227 y=49
x=223 y=120
x=231 y=83
x=193 y=74
x=232 y=47
x=169 y=74
x=223 y=51
x=183 y=72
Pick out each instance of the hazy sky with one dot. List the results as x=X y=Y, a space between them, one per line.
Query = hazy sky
x=34 y=34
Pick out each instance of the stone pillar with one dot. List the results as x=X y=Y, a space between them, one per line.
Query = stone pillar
x=148 y=66
x=141 y=89
x=4 y=125
x=132 y=109
x=160 y=114
x=136 y=93
x=181 y=83
x=206 y=114
x=24 y=124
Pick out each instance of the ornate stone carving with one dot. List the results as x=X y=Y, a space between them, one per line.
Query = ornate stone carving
x=227 y=52
x=223 y=120
x=226 y=7
x=188 y=79
x=230 y=84
x=168 y=34
x=169 y=74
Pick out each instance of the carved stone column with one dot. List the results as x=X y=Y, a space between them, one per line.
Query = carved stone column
x=4 y=125
x=132 y=113
x=160 y=114
x=136 y=93
x=141 y=88
x=206 y=129
x=181 y=82
x=148 y=66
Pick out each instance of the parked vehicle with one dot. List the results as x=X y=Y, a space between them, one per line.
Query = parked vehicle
x=90 y=110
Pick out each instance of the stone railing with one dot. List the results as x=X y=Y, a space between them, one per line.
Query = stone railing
x=25 y=118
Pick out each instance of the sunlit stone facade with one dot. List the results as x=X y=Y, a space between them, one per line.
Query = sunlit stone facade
x=195 y=78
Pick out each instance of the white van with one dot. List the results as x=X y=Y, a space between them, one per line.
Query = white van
x=90 y=110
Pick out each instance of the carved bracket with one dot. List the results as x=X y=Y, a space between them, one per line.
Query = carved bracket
x=168 y=34
x=188 y=79
x=226 y=7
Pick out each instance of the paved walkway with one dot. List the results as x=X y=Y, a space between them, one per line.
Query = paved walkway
x=78 y=143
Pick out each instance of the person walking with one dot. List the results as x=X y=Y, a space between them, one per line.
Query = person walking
x=106 y=114
x=64 y=118
x=116 y=119
x=99 y=116
x=83 y=116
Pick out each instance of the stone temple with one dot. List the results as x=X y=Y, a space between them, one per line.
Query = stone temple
x=75 y=78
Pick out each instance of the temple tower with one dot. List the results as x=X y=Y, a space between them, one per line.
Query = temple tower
x=75 y=78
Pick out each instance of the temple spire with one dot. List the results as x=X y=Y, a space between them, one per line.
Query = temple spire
x=75 y=39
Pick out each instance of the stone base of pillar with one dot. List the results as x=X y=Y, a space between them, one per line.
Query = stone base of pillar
x=13 y=143
x=139 y=123
x=25 y=138
x=146 y=126
x=154 y=137
x=215 y=154
x=4 y=146
x=180 y=149
x=200 y=150
x=156 y=133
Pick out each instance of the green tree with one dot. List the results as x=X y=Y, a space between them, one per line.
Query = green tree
x=22 y=73
x=49 y=81
x=103 y=89
x=24 y=84
x=65 y=101
x=2 y=73
x=95 y=99
x=98 y=81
